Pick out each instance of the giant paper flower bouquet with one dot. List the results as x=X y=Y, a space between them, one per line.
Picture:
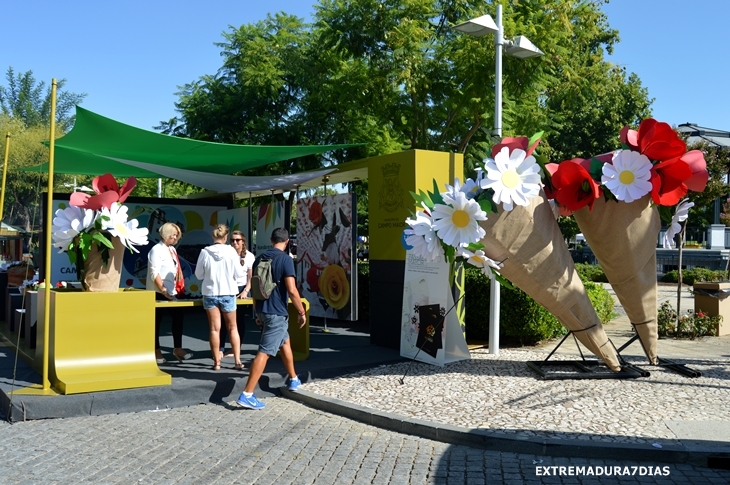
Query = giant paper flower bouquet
x=97 y=219
x=653 y=160
x=448 y=225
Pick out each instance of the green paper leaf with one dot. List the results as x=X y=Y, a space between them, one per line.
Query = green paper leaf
x=436 y=196
x=596 y=169
x=534 y=138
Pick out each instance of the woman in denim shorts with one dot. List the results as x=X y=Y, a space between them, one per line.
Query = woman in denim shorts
x=219 y=267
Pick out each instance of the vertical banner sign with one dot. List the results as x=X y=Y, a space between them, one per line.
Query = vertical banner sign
x=427 y=298
x=326 y=266
x=270 y=217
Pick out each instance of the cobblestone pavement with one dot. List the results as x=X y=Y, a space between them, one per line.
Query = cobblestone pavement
x=287 y=443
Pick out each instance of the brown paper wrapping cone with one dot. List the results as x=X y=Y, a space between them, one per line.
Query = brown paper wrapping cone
x=623 y=237
x=537 y=260
x=98 y=277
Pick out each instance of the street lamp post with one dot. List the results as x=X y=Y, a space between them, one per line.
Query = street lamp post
x=520 y=47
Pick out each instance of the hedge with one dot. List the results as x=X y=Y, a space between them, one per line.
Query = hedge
x=529 y=325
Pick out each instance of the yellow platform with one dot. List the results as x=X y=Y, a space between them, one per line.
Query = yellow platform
x=100 y=341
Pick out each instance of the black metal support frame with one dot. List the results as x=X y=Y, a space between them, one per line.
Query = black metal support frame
x=584 y=368
x=587 y=369
x=666 y=363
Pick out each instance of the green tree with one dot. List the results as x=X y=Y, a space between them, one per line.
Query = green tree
x=395 y=76
x=26 y=111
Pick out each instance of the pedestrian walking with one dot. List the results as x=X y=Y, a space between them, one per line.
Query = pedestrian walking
x=272 y=316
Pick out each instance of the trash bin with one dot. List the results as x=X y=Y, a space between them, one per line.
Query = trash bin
x=714 y=299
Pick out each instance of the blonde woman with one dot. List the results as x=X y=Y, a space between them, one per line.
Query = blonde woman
x=164 y=277
x=238 y=242
x=219 y=267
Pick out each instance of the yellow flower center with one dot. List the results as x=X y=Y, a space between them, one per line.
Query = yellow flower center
x=510 y=179
x=460 y=218
x=626 y=177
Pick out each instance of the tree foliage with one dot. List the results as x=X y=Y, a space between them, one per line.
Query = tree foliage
x=26 y=111
x=394 y=75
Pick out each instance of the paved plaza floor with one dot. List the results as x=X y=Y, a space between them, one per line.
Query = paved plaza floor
x=490 y=419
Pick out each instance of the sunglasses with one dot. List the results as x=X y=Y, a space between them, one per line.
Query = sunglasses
x=236 y=240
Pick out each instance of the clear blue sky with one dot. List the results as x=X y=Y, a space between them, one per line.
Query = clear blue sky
x=130 y=56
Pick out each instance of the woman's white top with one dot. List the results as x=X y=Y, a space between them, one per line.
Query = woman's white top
x=161 y=261
x=219 y=268
x=248 y=261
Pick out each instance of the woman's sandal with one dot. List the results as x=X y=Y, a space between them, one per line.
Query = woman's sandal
x=238 y=366
x=216 y=365
x=180 y=357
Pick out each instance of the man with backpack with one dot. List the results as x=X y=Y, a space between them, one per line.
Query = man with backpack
x=272 y=283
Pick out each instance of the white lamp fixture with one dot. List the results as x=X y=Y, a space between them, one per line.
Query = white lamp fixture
x=522 y=48
x=478 y=27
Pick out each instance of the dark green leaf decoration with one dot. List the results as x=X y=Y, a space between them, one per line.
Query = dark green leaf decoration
x=596 y=169
x=504 y=281
x=665 y=212
x=436 y=195
x=422 y=199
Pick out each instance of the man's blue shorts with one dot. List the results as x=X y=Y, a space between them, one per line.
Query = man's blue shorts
x=275 y=332
x=226 y=304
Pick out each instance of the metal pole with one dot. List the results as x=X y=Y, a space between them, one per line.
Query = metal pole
x=48 y=228
x=494 y=293
x=159 y=188
x=250 y=222
x=5 y=174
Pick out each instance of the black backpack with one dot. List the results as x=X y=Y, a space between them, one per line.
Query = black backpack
x=262 y=280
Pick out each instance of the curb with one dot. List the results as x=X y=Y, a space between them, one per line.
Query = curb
x=485 y=439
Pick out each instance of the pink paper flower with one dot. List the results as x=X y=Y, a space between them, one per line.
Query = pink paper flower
x=107 y=191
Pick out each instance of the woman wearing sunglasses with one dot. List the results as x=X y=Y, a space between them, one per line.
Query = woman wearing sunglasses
x=238 y=241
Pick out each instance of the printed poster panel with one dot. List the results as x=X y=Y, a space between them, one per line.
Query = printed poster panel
x=269 y=217
x=427 y=299
x=195 y=221
x=326 y=268
x=237 y=220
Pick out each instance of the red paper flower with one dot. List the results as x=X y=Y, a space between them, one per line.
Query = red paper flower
x=107 y=191
x=315 y=213
x=629 y=138
x=512 y=143
x=696 y=161
x=574 y=186
x=668 y=181
x=658 y=141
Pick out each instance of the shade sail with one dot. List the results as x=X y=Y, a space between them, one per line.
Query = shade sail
x=225 y=184
x=94 y=140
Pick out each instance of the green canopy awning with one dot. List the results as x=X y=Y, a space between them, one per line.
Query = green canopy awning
x=83 y=151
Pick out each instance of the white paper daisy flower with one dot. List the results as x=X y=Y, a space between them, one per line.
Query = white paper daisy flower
x=514 y=177
x=68 y=223
x=457 y=220
x=422 y=237
x=127 y=231
x=451 y=190
x=480 y=260
x=471 y=187
x=680 y=215
x=627 y=176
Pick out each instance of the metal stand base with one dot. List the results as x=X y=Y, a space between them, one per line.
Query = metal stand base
x=583 y=368
x=594 y=369
x=668 y=364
